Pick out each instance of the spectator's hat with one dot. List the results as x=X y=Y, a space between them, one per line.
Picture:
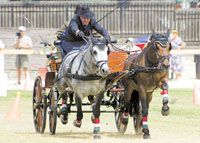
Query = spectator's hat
x=22 y=28
x=85 y=12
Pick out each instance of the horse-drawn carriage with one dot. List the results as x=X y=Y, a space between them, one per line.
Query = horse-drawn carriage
x=47 y=95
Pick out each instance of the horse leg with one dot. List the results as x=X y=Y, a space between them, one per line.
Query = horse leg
x=61 y=86
x=145 y=128
x=79 y=115
x=149 y=98
x=126 y=102
x=64 y=110
x=96 y=113
x=165 y=100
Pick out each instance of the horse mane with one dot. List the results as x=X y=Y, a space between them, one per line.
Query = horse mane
x=136 y=62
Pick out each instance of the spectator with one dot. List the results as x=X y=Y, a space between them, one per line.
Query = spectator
x=22 y=42
x=176 y=59
x=198 y=4
x=193 y=4
x=178 y=4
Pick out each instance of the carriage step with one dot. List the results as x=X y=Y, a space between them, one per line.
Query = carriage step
x=117 y=90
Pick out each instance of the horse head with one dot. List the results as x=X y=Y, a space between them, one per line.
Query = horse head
x=99 y=55
x=161 y=49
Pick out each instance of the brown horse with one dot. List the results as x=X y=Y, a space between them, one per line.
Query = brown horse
x=149 y=71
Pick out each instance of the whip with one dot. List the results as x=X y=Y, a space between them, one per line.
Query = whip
x=119 y=5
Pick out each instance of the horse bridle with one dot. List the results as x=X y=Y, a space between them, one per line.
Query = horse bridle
x=160 y=58
x=99 y=63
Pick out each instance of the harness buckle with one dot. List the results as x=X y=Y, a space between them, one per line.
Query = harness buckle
x=131 y=72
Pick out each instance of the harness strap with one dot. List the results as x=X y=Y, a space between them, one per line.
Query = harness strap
x=70 y=64
x=80 y=63
x=81 y=77
x=145 y=70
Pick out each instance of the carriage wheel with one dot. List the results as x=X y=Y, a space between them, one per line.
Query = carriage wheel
x=119 y=113
x=120 y=126
x=137 y=121
x=39 y=106
x=137 y=114
x=53 y=111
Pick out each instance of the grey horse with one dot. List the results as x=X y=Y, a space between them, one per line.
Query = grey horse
x=84 y=73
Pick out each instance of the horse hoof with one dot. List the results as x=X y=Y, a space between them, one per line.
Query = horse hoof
x=96 y=130
x=97 y=136
x=64 y=119
x=146 y=136
x=77 y=123
x=124 y=119
x=165 y=113
x=165 y=110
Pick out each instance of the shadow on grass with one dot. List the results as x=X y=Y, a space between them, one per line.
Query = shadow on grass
x=83 y=135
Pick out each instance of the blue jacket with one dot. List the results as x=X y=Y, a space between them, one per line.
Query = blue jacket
x=70 y=32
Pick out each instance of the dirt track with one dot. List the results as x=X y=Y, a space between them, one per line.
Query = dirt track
x=182 y=126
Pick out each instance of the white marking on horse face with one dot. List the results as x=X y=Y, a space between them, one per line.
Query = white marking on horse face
x=104 y=70
x=101 y=57
x=101 y=53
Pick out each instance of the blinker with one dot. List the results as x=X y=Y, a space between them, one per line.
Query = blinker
x=162 y=43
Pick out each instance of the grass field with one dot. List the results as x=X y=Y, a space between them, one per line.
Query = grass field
x=181 y=126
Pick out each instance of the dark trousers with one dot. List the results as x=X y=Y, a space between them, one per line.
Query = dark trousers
x=68 y=46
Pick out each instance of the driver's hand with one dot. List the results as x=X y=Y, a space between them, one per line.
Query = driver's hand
x=107 y=39
x=81 y=34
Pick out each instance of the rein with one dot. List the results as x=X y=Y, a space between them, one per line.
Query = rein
x=119 y=49
x=145 y=70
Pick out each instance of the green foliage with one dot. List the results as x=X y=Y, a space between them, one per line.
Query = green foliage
x=23 y=94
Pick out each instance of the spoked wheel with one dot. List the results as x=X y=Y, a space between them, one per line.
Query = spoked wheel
x=137 y=121
x=118 y=121
x=137 y=113
x=53 y=95
x=121 y=127
x=39 y=106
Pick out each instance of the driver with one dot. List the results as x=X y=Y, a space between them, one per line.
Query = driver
x=80 y=25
